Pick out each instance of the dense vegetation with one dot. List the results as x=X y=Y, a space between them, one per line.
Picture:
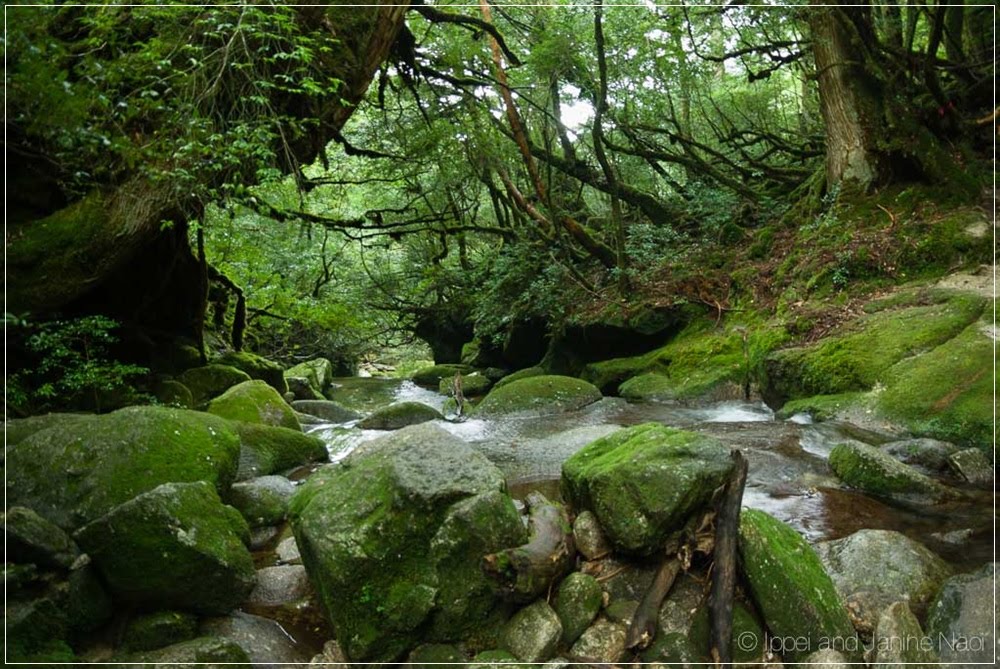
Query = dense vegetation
x=509 y=174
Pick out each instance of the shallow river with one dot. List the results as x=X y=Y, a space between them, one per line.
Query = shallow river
x=789 y=476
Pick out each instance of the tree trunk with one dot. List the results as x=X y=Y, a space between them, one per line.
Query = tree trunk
x=849 y=99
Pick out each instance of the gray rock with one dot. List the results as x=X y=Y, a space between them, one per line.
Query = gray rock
x=425 y=507
x=900 y=642
x=300 y=387
x=679 y=608
x=306 y=420
x=328 y=410
x=262 y=501
x=874 y=568
x=33 y=539
x=532 y=635
x=622 y=611
x=400 y=415
x=175 y=546
x=973 y=466
x=262 y=537
x=874 y=471
x=280 y=586
x=331 y=657
x=623 y=579
x=604 y=641
x=829 y=658
x=929 y=454
x=263 y=640
x=577 y=604
x=206 y=651
x=428 y=655
x=288 y=552
x=589 y=537
x=150 y=631
x=961 y=618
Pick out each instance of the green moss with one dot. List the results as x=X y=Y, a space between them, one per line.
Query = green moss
x=946 y=393
x=434 y=654
x=643 y=482
x=873 y=471
x=578 y=602
x=203 y=650
x=150 y=631
x=210 y=381
x=257 y=367
x=430 y=377
x=19 y=429
x=265 y=449
x=822 y=407
x=861 y=353
x=790 y=586
x=75 y=473
x=255 y=402
x=175 y=394
x=525 y=373
x=319 y=373
x=539 y=395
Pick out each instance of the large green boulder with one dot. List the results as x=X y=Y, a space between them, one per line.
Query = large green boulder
x=644 y=482
x=74 y=474
x=211 y=381
x=255 y=402
x=430 y=377
x=539 y=395
x=19 y=429
x=31 y=539
x=399 y=415
x=874 y=568
x=175 y=546
x=318 y=372
x=257 y=367
x=525 y=373
x=792 y=590
x=327 y=410
x=262 y=501
x=207 y=652
x=874 y=471
x=265 y=449
x=393 y=538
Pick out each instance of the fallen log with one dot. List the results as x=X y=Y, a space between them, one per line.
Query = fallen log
x=727 y=523
x=525 y=572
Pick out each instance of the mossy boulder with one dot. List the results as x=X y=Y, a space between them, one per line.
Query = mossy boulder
x=174 y=393
x=789 y=585
x=204 y=650
x=19 y=429
x=74 y=474
x=301 y=389
x=399 y=415
x=429 y=655
x=35 y=631
x=29 y=538
x=873 y=568
x=265 y=449
x=533 y=633
x=539 y=395
x=578 y=602
x=257 y=367
x=473 y=385
x=525 y=373
x=604 y=641
x=177 y=546
x=149 y=631
x=871 y=470
x=643 y=482
x=211 y=381
x=393 y=540
x=860 y=354
x=318 y=372
x=961 y=620
x=431 y=377
x=928 y=454
x=328 y=410
x=255 y=402
x=262 y=501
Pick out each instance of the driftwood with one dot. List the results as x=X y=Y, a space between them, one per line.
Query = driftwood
x=526 y=572
x=643 y=628
x=727 y=524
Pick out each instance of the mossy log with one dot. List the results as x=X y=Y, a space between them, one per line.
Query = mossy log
x=727 y=524
x=526 y=572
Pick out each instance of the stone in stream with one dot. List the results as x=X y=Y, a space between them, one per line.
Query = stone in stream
x=604 y=641
x=209 y=651
x=589 y=537
x=150 y=631
x=430 y=377
x=262 y=501
x=961 y=619
x=871 y=470
x=301 y=389
x=255 y=402
x=900 y=642
x=533 y=633
x=257 y=367
x=425 y=507
x=790 y=586
x=75 y=473
x=538 y=395
x=32 y=539
x=263 y=640
x=874 y=568
x=578 y=602
x=210 y=381
x=929 y=454
x=973 y=466
x=525 y=373
x=265 y=450
x=318 y=372
x=328 y=410
x=400 y=415
x=430 y=655
x=288 y=552
x=644 y=482
x=175 y=546
x=279 y=586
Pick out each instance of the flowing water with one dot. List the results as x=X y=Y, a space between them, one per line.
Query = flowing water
x=788 y=476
